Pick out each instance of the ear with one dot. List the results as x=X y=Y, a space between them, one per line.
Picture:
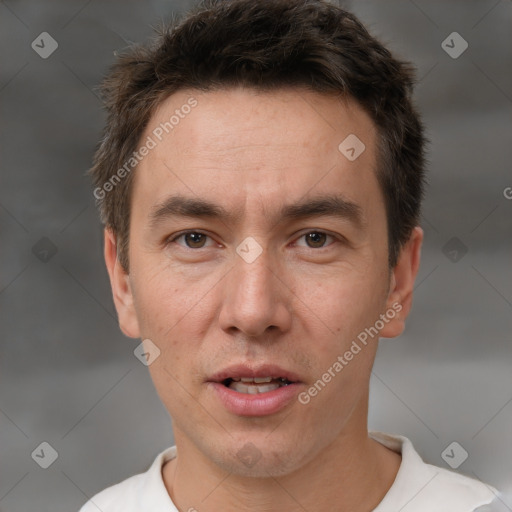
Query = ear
x=121 y=289
x=402 y=284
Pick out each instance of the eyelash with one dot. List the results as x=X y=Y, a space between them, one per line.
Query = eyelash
x=184 y=233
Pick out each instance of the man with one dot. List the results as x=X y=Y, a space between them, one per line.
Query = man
x=260 y=182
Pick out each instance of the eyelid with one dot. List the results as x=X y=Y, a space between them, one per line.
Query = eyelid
x=180 y=234
x=322 y=231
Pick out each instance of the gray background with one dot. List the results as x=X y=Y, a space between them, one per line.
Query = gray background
x=68 y=375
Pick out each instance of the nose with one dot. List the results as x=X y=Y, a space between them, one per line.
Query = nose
x=256 y=298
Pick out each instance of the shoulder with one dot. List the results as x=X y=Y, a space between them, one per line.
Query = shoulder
x=453 y=491
x=119 y=497
x=495 y=506
x=145 y=491
x=422 y=487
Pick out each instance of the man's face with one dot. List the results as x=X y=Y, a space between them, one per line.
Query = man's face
x=256 y=292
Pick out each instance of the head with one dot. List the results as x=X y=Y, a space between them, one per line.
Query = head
x=260 y=180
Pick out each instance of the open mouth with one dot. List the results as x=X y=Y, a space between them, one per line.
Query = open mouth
x=255 y=385
x=257 y=390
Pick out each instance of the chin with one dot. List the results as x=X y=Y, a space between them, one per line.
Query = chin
x=254 y=456
x=268 y=465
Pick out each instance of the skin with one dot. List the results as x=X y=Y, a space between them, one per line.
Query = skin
x=300 y=304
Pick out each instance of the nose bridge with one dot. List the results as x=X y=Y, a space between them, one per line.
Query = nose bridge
x=253 y=260
x=254 y=297
x=253 y=277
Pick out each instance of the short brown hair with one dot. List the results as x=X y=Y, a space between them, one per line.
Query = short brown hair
x=265 y=44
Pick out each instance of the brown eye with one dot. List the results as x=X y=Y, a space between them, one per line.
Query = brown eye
x=316 y=239
x=192 y=239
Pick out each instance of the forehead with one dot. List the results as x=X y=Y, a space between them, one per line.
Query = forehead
x=245 y=147
x=222 y=117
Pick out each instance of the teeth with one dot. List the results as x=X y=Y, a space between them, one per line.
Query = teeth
x=255 y=385
x=260 y=380
x=254 y=389
x=257 y=380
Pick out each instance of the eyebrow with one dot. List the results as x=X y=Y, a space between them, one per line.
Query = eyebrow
x=326 y=205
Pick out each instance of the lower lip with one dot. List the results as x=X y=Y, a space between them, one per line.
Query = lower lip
x=262 y=404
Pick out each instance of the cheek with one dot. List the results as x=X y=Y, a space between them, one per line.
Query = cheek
x=167 y=301
x=345 y=303
x=174 y=312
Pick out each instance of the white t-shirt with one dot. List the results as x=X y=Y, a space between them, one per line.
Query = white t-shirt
x=418 y=487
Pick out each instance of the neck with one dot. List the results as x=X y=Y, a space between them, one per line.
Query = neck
x=354 y=471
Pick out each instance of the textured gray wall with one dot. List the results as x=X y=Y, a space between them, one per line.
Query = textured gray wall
x=68 y=375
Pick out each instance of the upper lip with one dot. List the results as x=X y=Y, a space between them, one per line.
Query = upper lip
x=252 y=371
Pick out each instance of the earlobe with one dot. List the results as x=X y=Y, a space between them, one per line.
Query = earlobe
x=402 y=284
x=121 y=288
